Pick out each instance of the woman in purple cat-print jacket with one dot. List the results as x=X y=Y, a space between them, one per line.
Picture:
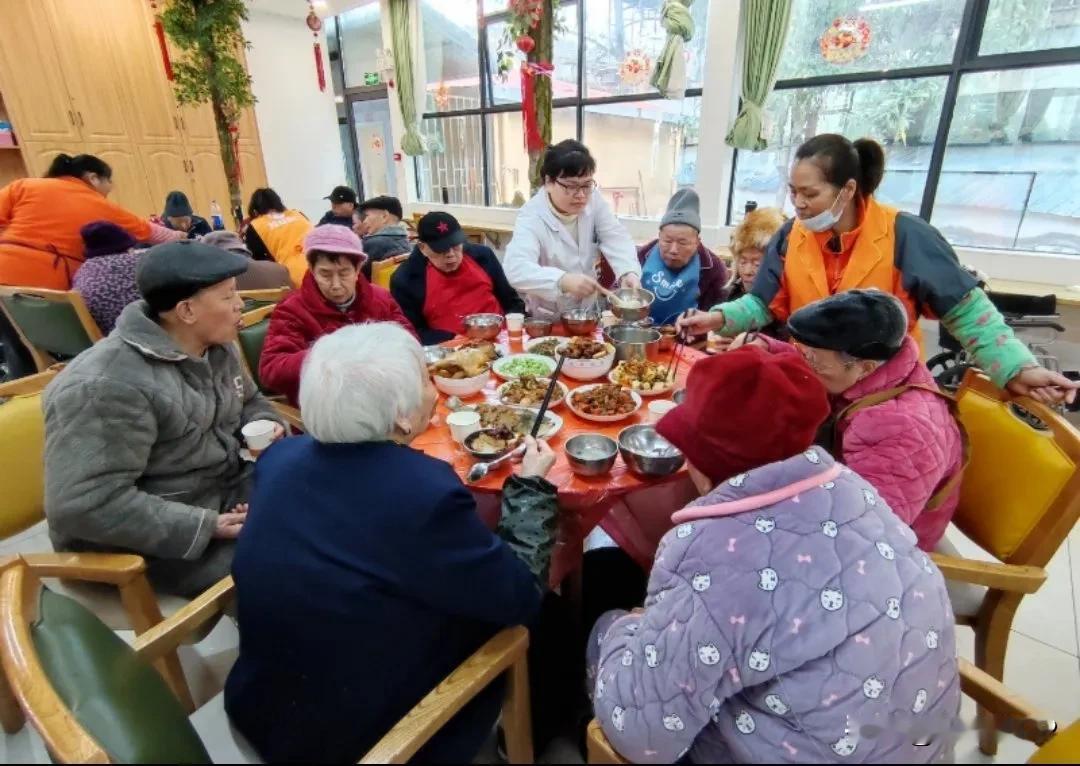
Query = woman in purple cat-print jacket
x=790 y=616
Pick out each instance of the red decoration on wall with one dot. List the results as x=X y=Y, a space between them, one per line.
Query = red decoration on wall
x=319 y=67
x=159 y=31
x=529 y=73
x=315 y=24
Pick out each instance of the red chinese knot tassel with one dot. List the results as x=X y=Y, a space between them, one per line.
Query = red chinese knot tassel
x=534 y=142
x=319 y=67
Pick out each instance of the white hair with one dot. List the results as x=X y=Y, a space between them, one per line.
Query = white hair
x=358 y=381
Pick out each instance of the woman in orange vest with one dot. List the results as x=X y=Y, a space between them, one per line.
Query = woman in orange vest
x=842 y=238
x=40 y=221
x=277 y=234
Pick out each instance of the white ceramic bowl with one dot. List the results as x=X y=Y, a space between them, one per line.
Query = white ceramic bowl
x=603 y=418
x=554 y=402
x=562 y=342
x=589 y=369
x=500 y=365
x=463 y=387
x=651 y=392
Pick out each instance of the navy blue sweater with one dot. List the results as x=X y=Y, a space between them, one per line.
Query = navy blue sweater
x=363 y=577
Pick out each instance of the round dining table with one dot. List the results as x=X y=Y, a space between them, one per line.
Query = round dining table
x=634 y=510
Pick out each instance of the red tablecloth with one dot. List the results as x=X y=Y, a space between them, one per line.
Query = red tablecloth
x=583 y=502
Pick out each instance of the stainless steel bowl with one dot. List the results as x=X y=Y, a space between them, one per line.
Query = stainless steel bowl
x=537 y=328
x=471 y=439
x=483 y=326
x=648 y=453
x=591 y=454
x=668 y=334
x=638 y=295
x=679 y=396
x=580 y=321
x=632 y=342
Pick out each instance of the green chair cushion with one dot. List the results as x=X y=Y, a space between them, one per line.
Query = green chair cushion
x=119 y=699
x=251 y=343
x=53 y=327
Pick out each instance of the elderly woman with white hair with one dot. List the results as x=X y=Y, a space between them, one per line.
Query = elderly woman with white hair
x=365 y=576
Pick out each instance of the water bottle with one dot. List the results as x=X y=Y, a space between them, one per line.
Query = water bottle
x=216 y=219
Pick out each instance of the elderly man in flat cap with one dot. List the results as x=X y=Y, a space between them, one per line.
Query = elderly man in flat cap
x=142 y=431
x=890 y=423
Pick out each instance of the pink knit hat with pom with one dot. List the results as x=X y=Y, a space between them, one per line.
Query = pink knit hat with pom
x=333 y=238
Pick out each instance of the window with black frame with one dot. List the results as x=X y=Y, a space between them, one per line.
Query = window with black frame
x=645 y=145
x=977 y=103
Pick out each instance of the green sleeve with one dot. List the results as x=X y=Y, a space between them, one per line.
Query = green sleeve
x=979 y=326
x=529 y=515
x=744 y=314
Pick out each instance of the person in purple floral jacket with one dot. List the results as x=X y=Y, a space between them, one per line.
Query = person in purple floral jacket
x=106 y=280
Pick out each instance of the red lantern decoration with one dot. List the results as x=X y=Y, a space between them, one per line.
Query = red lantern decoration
x=159 y=32
x=315 y=24
x=525 y=44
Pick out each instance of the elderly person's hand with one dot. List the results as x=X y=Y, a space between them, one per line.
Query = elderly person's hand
x=630 y=280
x=1042 y=385
x=745 y=339
x=538 y=460
x=229 y=525
x=694 y=322
x=578 y=285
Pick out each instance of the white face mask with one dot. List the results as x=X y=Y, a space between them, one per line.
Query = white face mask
x=826 y=219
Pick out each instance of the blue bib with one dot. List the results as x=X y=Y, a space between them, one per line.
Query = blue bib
x=676 y=291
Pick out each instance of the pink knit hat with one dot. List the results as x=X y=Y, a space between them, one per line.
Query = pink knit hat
x=333 y=238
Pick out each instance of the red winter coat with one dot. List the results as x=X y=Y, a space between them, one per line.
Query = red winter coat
x=304 y=317
x=906 y=447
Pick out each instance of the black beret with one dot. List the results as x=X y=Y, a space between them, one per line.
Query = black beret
x=175 y=271
x=867 y=324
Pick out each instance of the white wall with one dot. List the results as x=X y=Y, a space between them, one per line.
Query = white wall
x=301 y=143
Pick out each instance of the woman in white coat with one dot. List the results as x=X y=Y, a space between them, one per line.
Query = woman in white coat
x=553 y=254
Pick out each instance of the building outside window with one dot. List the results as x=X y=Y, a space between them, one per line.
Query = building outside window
x=645 y=145
x=977 y=103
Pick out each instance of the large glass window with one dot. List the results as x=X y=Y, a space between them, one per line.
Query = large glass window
x=361 y=39
x=645 y=146
x=976 y=103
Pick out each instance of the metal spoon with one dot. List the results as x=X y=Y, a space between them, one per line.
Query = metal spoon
x=480 y=470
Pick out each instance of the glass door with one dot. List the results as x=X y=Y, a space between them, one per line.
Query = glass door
x=374 y=144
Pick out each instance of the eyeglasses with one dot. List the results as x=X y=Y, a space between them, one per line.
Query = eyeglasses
x=574 y=190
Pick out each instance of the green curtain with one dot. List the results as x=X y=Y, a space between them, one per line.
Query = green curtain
x=680 y=28
x=765 y=23
x=413 y=142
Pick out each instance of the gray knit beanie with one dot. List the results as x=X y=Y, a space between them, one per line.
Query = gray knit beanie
x=683 y=207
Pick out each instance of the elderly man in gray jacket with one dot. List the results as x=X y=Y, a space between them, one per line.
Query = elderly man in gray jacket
x=142 y=431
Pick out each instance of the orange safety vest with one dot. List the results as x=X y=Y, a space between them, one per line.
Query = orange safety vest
x=283 y=234
x=872 y=265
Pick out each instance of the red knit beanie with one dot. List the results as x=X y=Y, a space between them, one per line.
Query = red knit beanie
x=744 y=409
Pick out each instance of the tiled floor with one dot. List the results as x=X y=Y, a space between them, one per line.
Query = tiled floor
x=1043 y=660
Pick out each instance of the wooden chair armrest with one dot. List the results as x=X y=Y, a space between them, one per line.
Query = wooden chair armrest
x=289 y=414
x=992 y=574
x=168 y=634
x=109 y=568
x=1014 y=713
x=466 y=681
x=599 y=749
x=31 y=384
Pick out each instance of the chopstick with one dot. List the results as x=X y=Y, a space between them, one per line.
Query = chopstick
x=676 y=356
x=547 y=396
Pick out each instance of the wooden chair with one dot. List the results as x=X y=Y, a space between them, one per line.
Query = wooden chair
x=1026 y=722
x=136 y=722
x=267 y=295
x=383 y=271
x=252 y=338
x=53 y=324
x=1019 y=501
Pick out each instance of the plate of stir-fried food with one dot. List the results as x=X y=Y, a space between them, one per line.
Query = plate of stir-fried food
x=529 y=391
x=645 y=377
x=604 y=402
x=517 y=419
x=549 y=345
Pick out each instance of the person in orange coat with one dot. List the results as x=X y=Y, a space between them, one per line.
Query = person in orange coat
x=40 y=223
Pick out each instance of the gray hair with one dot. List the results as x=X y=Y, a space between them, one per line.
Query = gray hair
x=359 y=381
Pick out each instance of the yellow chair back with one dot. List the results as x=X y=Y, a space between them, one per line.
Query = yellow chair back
x=22 y=447
x=1021 y=478
x=1063 y=748
x=382 y=271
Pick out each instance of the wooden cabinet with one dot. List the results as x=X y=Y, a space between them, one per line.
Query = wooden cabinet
x=208 y=178
x=129 y=180
x=89 y=69
x=199 y=126
x=30 y=77
x=249 y=131
x=165 y=169
x=38 y=155
x=141 y=72
x=252 y=172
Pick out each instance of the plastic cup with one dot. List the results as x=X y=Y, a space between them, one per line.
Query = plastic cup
x=659 y=408
x=462 y=424
x=515 y=323
x=259 y=434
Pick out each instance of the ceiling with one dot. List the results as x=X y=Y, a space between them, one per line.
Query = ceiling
x=299 y=8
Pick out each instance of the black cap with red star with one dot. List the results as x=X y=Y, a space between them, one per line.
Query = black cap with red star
x=440 y=231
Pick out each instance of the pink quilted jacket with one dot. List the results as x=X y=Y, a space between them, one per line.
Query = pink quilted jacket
x=906 y=447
